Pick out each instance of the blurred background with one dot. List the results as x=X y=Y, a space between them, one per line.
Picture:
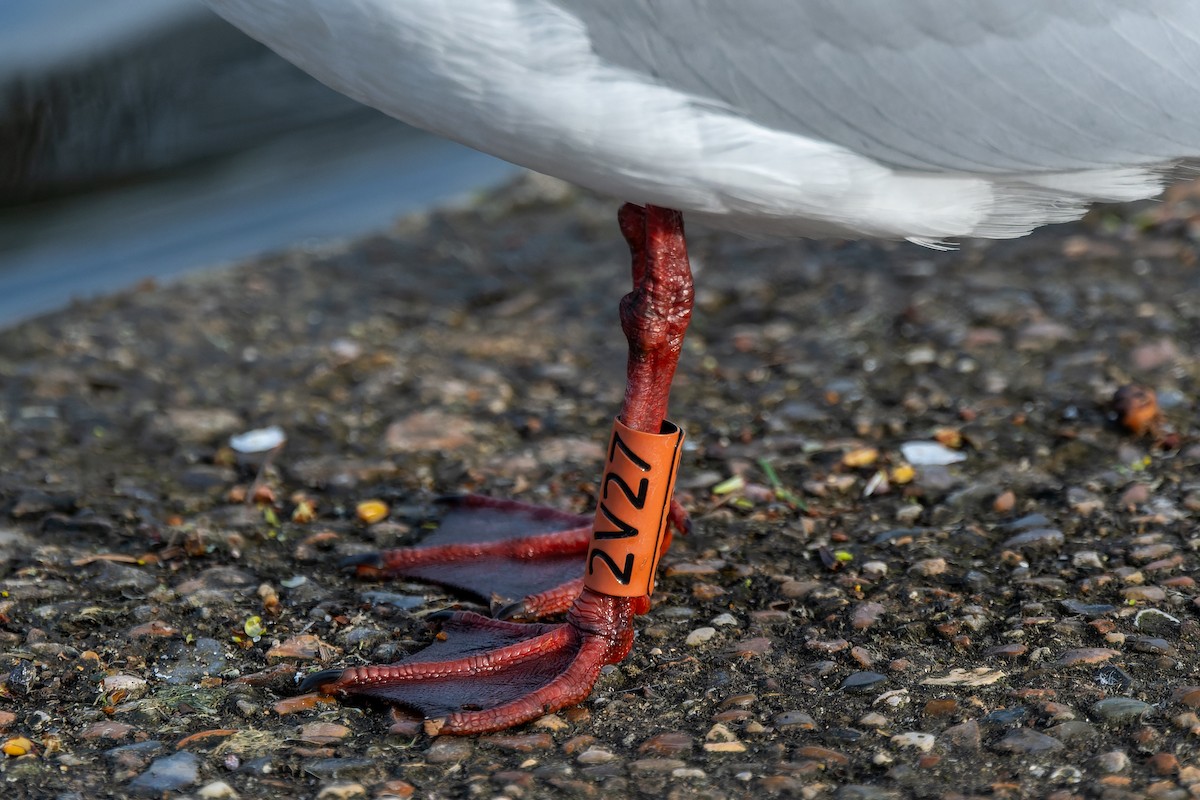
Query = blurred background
x=143 y=138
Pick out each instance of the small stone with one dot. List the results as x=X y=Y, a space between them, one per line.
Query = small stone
x=1086 y=655
x=1089 y=610
x=1087 y=559
x=930 y=454
x=449 y=749
x=196 y=424
x=929 y=567
x=1144 y=594
x=652 y=766
x=1036 y=539
x=824 y=755
x=725 y=619
x=305 y=646
x=1164 y=763
x=719 y=733
x=944 y=707
x=862 y=681
x=595 y=755
x=1027 y=740
x=668 y=744
x=794 y=720
x=521 y=743
x=431 y=431
x=368 y=512
x=130 y=687
x=1009 y=651
x=342 y=791
x=964 y=737
x=398 y=789
x=1120 y=710
x=551 y=722
x=323 y=732
x=217 y=790
x=915 y=739
x=168 y=774
x=866 y=614
x=108 y=729
x=699 y=636
x=755 y=646
x=724 y=747
x=1113 y=761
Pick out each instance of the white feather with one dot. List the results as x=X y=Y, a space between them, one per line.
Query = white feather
x=522 y=80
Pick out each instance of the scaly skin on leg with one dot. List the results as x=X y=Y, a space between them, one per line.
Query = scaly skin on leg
x=484 y=674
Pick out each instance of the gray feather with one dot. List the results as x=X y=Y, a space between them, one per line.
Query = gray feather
x=985 y=86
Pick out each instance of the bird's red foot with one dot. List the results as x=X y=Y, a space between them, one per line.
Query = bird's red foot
x=525 y=561
x=484 y=674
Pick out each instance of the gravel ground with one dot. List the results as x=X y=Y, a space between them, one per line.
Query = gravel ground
x=928 y=561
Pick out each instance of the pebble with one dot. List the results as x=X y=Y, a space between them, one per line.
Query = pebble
x=449 y=749
x=203 y=658
x=651 y=766
x=964 y=737
x=334 y=768
x=1086 y=655
x=862 y=681
x=1027 y=740
x=323 y=732
x=794 y=720
x=1072 y=730
x=196 y=424
x=1120 y=710
x=131 y=686
x=700 y=636
x=1087 y=559
x=595 y=755
x=521 y=743
x=866 y=615
x=1089 y=610
x=167 y=774
x=1113 y=761
x=914 y=739
x=725 y=619
x=668 y=744
x=930 y=454
x=108 y=729
x=217 y=790
x=1144 y=594
x=432 y=431
x=1036 y=539
x=719 y=733
x=342 y=791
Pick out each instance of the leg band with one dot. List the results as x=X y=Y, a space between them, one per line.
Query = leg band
x=635 y=502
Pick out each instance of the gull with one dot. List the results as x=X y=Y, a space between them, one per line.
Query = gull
x=926 y=120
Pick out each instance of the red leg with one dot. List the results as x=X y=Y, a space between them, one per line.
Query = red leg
x=484 y=675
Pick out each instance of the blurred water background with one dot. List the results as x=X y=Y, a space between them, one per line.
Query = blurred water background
x=144 y=138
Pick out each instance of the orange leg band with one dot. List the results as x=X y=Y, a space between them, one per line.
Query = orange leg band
x=635 y=506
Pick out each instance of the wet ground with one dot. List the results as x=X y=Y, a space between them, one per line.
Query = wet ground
x=927 y=562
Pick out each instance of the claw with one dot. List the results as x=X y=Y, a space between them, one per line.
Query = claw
x=373 y=561
x=485 y=674
x=317 y=680
x=512 y=611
